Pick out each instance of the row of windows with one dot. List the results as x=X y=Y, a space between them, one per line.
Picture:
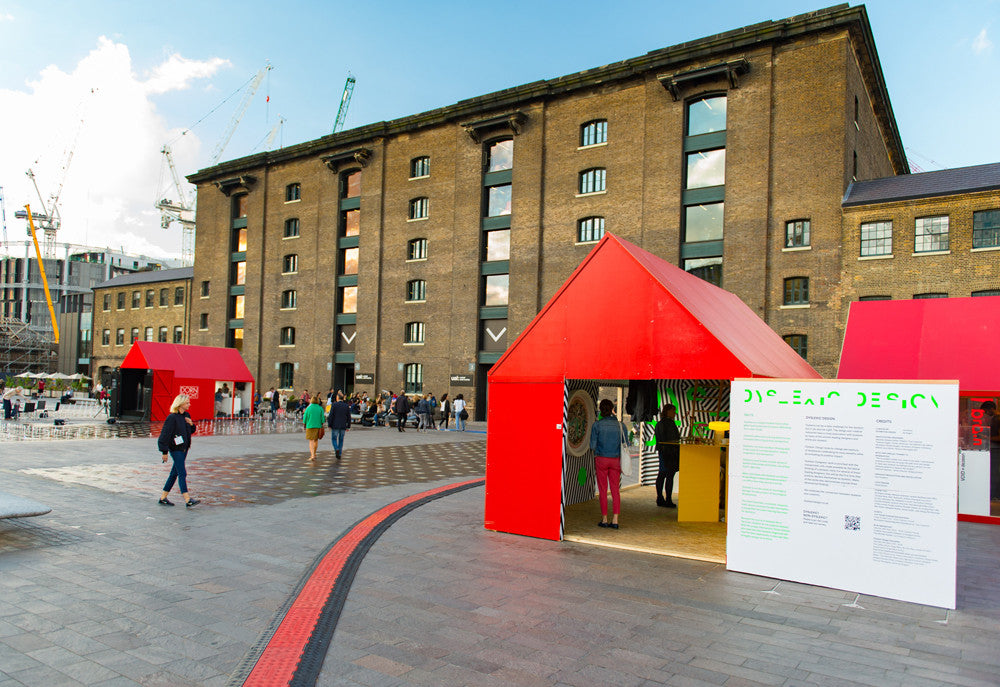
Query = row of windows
x=150 y=301
x=148 y=335
x=350 y=188
x=931 y=234
x=496 y=288
x=413 y=374
x=934 y=294
x=796 y=292
x=413 y=333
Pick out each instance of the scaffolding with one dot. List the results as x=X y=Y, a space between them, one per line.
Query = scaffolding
x=23 y=349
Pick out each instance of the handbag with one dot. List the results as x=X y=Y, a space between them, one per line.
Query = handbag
x=464 y=415
x=623 y=453
x=322 y=432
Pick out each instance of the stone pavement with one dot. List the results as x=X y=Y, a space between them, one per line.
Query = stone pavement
x=112 y=589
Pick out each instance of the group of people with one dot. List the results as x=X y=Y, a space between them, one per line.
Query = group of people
x=430 y=413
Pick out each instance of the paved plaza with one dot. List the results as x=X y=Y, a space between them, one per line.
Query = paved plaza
x=112 y=589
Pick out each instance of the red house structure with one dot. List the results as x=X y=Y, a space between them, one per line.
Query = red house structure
x=624 y=314
x=928 y=338
x=153 y=373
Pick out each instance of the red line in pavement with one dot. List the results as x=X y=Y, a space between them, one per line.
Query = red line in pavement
x=280 y=658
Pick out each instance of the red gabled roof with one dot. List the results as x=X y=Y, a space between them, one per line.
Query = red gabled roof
x=927 y=338
x=189 y=362
x=624 y=313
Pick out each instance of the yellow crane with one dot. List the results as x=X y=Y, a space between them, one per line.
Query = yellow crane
x=41 y=269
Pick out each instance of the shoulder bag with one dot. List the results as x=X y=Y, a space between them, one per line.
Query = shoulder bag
x=624 y=456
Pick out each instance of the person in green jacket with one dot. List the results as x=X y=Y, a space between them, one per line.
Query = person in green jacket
x=314 y=419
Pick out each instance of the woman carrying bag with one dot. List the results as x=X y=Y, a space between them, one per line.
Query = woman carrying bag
x=175 y=440
x=606 y=442
x=314 y=419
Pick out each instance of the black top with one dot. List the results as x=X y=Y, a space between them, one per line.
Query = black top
x=402 y=405
x=340 y=416
x=667 y=437
x=176 y=426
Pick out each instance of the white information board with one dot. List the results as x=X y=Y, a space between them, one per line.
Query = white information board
x=843 y=484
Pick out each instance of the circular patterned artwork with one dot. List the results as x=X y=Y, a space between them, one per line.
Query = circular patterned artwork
x=580 y=418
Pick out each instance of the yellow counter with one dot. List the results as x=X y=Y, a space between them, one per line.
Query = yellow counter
x=698 y=498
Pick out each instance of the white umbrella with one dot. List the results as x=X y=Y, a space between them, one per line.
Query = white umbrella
x=59 y=375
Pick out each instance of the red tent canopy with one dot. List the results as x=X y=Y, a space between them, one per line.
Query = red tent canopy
x=925 y=338
x=623 y=314
x=192 y=370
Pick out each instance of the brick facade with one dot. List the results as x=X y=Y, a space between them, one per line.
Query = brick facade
x=790 y=138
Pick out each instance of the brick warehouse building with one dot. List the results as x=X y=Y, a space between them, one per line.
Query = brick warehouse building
x=411 y=251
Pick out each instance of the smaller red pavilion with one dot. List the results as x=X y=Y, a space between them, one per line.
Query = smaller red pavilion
x=152 y=374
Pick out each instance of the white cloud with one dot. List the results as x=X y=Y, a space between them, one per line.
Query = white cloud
x=6 y=16
x=981 y=44
x=115 y=173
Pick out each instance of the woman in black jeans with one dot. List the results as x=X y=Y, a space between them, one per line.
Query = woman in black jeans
x=445 y=412
x=175 y=440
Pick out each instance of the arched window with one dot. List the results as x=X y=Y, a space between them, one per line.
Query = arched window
x=416 y=290
x=420 y=167
x=293 y=192
x=288 y=299
x=500 y=155
x=592 y=180
x=291 y=228
x=416 y=249
x=594 y=133
x=290 y=264
x=414 y=333
x=589 y=229
x=288 y=336
x=419 y=208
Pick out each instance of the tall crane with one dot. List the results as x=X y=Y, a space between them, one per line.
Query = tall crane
x=345 y=102
x=180 y=210
x=240 y=111
x=3 y=218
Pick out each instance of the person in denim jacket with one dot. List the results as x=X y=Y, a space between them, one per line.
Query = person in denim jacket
x=605 y=442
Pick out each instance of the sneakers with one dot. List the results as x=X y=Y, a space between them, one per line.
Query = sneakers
x=191 y=503
x=166 y=502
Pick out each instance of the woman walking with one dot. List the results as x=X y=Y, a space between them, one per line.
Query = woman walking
x=445 y=412
x=314 y=419
x=175 y=440
x=461 y=414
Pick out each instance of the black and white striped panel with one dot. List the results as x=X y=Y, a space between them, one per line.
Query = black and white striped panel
x=573 y=490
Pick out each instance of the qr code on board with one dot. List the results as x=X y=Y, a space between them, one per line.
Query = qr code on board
x=852 y=522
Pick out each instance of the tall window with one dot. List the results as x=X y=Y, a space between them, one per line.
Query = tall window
x=797 y=233
x=148 y=334
x=500 y=155
x=150 y=298
x=165 y=297
x=930 y=234
x=414 y=333
x=416 y=290
x=288 y=299
x=107 y=302
x=293 y=192
x=286 y=376
x=414 y=376
x=136 y=299
x=351 y=184
x=798 y=342
x=497 y=245
x=291 y=227
x=290 y=264
x=240 y=204
x=592 y=180
x=120 y=337
x=497 y=289
x=419 y=208
x=594 y=133
x=121 y=300
x=205 y=289
x=876 y=238
x=498 y=201
x=349 y=299
x=350 y=261
x=203 y=321
x=416 y=249
x=590 y=229
x=986 y=229
x=796 y=291
x=420 y=167
x=134 y=335
x=106 y=337
x=178 y=334
x=704 y=191
x=162 y=335
x=288 y=336
x=179 y=295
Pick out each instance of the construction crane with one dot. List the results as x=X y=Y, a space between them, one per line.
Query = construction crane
x=180 y=210
x=3 y=218
x=345 y=102
x=240 y=111
x=41 y=270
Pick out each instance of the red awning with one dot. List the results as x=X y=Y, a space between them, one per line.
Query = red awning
x=926 y=338
x=189 y=362
x=625 y=313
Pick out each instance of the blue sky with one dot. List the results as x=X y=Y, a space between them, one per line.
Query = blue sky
x=156 y=70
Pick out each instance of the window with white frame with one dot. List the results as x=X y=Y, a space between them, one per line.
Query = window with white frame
x=986 y=229
x=876 y=238
x=420 y=167
x=592 y=180
x=419 y=208
x=589 y=229
x=414 y=378
x=594 y=133
x=797 y=233
x=288 y=299
x=930 y=234
x=416 y=249
x=414 y=333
